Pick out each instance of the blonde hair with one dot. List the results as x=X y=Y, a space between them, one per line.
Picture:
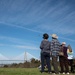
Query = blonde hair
x=69 y=50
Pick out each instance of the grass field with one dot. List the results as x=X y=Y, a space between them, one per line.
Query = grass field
x=23 y=71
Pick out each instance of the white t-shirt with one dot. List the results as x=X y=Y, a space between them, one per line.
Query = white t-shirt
x=70 y=55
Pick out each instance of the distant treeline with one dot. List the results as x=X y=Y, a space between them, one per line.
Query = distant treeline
x=26 y=64
x=33 y=64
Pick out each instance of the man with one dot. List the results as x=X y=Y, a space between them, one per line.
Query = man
x=55 y=48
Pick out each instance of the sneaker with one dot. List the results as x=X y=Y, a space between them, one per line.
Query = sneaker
x=68 y=73
x=63 y=72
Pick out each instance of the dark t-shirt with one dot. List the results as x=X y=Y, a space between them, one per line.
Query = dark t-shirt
x=45 y=46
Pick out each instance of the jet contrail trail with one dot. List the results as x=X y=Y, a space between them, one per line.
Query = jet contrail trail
x=21 y=27
x=8 y=24
x=67 y=39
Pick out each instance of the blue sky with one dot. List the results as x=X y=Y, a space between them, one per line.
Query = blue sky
x=22 y=23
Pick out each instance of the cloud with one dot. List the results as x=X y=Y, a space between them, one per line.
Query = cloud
x=19 y=43
x=39 y=16
x=42 y=15
x=15 y=41
x=1 y=44
x=10 y=39
x=27 y=47
x=67 y=39
x=22 y=27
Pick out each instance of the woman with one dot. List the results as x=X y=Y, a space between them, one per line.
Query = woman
x=70 y=57
x=64 y=59
x=45 y=52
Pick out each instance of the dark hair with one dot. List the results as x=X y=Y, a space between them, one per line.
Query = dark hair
x=45 y=36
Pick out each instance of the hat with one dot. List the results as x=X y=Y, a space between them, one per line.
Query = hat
x=63 y=43
x=54 y=36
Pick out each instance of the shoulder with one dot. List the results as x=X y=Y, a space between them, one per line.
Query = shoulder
x=48 y=41
x=65 y=48
x=57 y=40
x=42 y=41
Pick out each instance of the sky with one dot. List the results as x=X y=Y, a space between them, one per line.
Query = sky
x=23 y=22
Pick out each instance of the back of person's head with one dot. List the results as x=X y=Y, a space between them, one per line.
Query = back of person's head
x=70 y=50
x=45 y=36
x=63 y=43
x=69 y=47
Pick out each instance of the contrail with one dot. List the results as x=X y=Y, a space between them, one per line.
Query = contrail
x=67 y=39
x=8 y=24
x=21 y=27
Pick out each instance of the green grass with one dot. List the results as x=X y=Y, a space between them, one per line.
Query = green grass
x=23 y=71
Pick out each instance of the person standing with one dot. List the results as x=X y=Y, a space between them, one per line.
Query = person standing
x=64 y=59
x=45 y=52
x=70 y=57
x=55 y=47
